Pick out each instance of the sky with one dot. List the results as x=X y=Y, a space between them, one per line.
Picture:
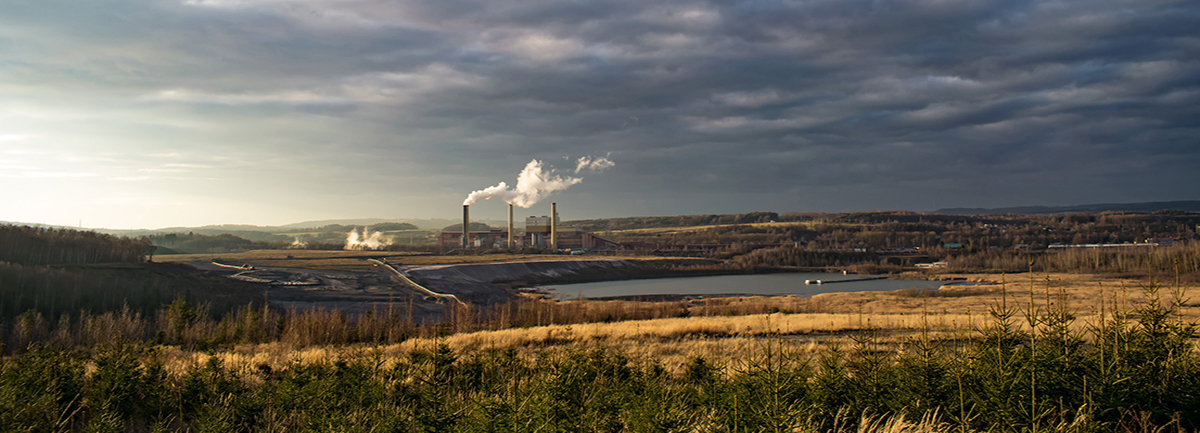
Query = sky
x=143 y=114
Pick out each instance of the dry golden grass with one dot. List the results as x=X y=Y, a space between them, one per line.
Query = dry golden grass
x=671 y=341
x=1081 y=293
x=732 y=339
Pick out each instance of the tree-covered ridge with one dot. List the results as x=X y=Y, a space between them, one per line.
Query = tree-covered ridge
x=38 y=246
x=893 y=230
x=58 y=272
x=198 y=243
x=628 y=223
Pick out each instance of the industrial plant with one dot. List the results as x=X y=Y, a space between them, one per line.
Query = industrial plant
x=541 y=232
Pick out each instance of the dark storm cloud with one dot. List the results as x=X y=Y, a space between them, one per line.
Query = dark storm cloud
x=786 y=105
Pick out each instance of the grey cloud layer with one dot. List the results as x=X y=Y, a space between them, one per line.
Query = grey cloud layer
x=784 y=99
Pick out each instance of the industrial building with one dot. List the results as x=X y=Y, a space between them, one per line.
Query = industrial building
x=540 y=232
x=479 y=239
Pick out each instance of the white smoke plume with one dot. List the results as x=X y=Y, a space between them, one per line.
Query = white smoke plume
x=500 y=190
x=536 y=182
x=374 y=241
x=298 y=244
x=596 y=164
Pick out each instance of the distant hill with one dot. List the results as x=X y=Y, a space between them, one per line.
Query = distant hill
x=341 y=222
x=1186 y=206
x=435 y=223
x=262 y=234
x=271 y=233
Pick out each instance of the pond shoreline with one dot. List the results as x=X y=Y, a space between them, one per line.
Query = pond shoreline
x=647 y=270
x=654 y=285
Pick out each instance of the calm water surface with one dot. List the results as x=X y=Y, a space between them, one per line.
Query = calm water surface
x=758 y=284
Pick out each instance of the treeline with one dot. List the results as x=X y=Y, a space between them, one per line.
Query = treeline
x=141 y=287
x=907 y=230
x=52 y=272
x=191 y=243
x=1183 y=259
x=343 y=229
x=333 y=236
x=1135 y=371
x=194 y=243
x=54 y=291
x=39 y=246
x=628 y=223
x=608 y=224
x=475 y=227
x=196 y=325
x=329 y=237
x=879 y=217
x=1180 y=259
x=804 y=258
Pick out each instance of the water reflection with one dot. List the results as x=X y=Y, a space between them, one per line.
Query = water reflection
x=757 y=284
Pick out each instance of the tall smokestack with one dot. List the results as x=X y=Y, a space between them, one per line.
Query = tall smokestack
x=466 y=237
x=510 y=226
x=554 y=226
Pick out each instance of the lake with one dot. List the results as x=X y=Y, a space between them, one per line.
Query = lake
x=756 y=284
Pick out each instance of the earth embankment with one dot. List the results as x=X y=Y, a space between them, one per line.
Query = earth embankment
x=481 y=282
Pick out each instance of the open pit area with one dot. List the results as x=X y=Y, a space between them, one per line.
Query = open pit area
x=415 y=284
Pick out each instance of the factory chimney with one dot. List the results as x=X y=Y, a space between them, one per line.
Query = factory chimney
x=510 y=226
x=466 y=236
x=554 y=226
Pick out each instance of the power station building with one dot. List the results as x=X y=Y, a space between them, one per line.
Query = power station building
x=540 y=232
x=494 y=238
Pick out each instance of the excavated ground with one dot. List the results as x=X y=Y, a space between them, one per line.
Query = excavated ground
x=379 y=289
x=481 y=282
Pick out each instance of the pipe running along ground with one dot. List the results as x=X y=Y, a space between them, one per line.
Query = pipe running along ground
x=416 y=286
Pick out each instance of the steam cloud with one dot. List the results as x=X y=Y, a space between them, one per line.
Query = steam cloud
x=536 y=182
x=597 y=164
x=373 y=241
